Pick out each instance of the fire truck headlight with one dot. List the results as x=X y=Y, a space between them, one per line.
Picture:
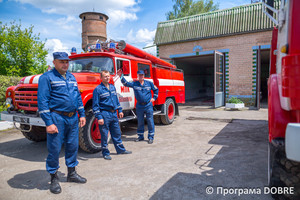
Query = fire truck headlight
x=9 y=93
x=9 y=104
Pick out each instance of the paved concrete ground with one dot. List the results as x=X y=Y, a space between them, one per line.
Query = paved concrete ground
x=203 y=147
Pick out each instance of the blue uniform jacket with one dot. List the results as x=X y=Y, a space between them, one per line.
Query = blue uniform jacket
x=57 y=93
x=105 y=99
x=142 y=92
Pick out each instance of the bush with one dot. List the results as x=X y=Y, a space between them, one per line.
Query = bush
x=5 y=82
x=234 y=100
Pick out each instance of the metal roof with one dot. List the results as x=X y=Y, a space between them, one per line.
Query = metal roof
x=237 y=20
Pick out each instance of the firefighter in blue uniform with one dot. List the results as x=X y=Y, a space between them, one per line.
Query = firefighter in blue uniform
x=59 y=101
x=105 y=106
x=142 y=91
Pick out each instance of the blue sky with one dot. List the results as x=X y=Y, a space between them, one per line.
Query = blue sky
x=58 y=22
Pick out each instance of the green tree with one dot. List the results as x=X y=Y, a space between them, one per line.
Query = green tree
x=21 y=51
x=183 y=8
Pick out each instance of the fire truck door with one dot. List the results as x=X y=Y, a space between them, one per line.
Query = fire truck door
x=125 y=94
x=219 y=99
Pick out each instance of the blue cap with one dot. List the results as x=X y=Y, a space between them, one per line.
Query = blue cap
x=61 y=56
x=141 y=72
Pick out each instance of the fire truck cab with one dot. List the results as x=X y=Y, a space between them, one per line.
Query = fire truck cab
x=112 y=56
x=284 y=98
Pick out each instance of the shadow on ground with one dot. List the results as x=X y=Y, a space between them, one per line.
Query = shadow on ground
x=37 y=151
x=237 y=158
x=29 y=181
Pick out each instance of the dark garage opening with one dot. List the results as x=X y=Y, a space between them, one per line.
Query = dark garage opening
x=199 y=78
x=264 y=75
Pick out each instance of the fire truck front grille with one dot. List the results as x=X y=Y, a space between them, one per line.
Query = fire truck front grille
x=26 y=98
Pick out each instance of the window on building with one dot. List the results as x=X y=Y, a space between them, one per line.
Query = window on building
x=101 y=18
x=145 y=68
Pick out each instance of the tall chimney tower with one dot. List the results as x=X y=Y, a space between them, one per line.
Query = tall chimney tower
x=93 y=28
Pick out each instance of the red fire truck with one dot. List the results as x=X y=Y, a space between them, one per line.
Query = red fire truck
x=284 y=98
x=21 y=100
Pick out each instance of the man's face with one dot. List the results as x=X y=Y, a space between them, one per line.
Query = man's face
x=141 y=77
x=105 y=77
x=61 y=66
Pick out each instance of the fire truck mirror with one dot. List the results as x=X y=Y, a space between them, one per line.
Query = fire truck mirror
x=126 y=70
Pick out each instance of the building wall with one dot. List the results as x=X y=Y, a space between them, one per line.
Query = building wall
x=240 y=57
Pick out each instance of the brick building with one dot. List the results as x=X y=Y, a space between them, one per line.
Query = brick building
x=222 y=53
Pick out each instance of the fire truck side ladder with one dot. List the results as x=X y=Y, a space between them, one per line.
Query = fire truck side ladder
x=265 y=6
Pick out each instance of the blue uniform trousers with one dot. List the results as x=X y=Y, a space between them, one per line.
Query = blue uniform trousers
x=111 y=123
x=68 y=135
x=140 y=111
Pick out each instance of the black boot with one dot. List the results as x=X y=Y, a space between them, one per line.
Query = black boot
x=74 y=177
x=54 y=186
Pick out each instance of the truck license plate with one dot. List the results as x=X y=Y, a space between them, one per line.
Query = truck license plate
x=21 y=119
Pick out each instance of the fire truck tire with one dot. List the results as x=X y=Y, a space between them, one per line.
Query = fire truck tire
x=274 y=167
x=89 y=140
x=169 y=116
x=157 y=119
x=284 y=173
x=37 y=133
x=290 y=176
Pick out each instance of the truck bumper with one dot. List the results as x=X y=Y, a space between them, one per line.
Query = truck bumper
x=22 y=119
x=292 y=141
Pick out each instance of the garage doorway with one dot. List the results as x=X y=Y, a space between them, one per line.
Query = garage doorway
x=263 y=56
x=204 y=79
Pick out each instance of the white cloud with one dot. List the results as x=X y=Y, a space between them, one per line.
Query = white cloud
x=117 y=10
x=53 y=45
x=130 y=37
x=118 y=16
x=144 y=35
x=69 y=22
x=141 y=36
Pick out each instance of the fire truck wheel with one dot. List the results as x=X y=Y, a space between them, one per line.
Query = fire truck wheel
x=290 y=175
x=89 y=135
x=157 y=119
x=169 y=116
x=37 y=133
x=274 y=167
x=283 y=173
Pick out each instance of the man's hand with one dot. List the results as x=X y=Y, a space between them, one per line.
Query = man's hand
x=121 y=114
x=101 y=121
x=120 y=72
x=152 y=100
x=51 y=129
x=82 y=121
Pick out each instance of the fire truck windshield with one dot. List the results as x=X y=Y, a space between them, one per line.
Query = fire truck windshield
x=94 y=64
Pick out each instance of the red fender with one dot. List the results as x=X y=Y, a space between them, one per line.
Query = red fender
x=278 y=118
